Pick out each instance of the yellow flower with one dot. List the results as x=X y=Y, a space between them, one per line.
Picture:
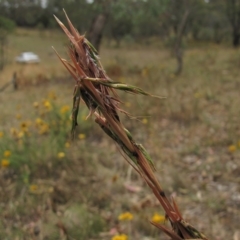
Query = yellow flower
x=5 y=163
x=20 y=134
x=24 y=127
x=47 y=105
x=64 y=109
x=1 y=134
x=120 y=237
x=14 y=132
x=43 y=129
x=125 y=216
x=232 y=148
x=158 y=218
x=81 y=136
x=33 y=188
x=39 y=122
x=61 y=155
x=7 y=153
x=36 y=104
x=144 y=121
x=18 y=116
x=67 y=145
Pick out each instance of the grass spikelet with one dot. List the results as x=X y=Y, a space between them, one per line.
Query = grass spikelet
x=94 y=87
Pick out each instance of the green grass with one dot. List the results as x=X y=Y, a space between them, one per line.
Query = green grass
x=188 y=135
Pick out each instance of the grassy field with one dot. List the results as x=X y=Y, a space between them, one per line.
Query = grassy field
x=53 y=188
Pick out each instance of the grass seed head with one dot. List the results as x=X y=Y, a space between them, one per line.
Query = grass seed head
x=98 y=92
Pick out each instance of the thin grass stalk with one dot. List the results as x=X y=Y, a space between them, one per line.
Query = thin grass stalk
x=95 y=88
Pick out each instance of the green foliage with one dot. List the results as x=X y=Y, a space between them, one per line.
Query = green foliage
x=6 y=24
x=136 y=19
x=120 y=21
x=39 y=141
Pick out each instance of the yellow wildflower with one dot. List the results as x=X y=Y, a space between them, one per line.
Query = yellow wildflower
x=36 y=104
x=20 y=134
x=43 y=129
x=61 y=155
x=14 y=132
x=7 y=153
x=39 y=122
x=24 y=127
x=125 y=216
x=158 y=218
x=33 y=188
x=67 y=145
x=1 y=134
x=47 y=105
x=64 y=109
x=18 y=116
x=120 y=237
x=232 y=148
x=81 y=136
x=144 y=121
x=5 y=163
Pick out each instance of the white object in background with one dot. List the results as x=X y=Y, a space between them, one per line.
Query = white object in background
x=27 y=57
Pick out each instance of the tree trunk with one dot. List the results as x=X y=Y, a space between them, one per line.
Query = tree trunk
x=217 y=35
x=177 y=48
x=1 y=53
x=236 y=38
x=179 y=57
x=96 y=30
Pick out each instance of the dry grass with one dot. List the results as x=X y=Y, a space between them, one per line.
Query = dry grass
x=188 y=135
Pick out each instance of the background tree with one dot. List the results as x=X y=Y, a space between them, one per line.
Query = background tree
x=120 y=21
x=140 y=19
x=178 y=13
x=6 y=26
x=233 y=13
x=178 y=16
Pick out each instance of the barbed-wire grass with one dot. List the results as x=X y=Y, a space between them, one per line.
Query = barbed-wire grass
x=98 y=91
